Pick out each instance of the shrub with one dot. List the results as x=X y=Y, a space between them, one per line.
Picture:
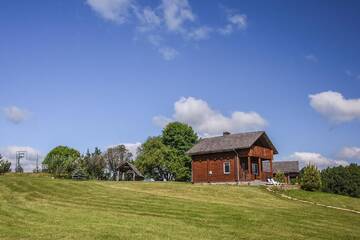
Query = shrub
x=5 y=166
x=311 y=180
x=342 y=180
x=280 y=177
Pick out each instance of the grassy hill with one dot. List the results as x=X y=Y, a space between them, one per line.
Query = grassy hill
x=44 y=208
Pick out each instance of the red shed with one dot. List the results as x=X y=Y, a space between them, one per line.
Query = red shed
x=232 y=158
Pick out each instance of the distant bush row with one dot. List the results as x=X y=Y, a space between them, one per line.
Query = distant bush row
x=339 y=180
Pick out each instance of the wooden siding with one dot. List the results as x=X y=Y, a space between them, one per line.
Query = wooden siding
x=262 y=152
x=203 y=165
x=210 y=168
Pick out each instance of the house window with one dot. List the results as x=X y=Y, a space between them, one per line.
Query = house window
x=226 y=167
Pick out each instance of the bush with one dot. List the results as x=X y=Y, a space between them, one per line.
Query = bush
x=311 y=180
x=342 y=180
x=5 y=166
x=280 y=177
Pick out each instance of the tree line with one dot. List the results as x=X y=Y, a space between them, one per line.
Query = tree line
x=160 y=157
x=340 y=180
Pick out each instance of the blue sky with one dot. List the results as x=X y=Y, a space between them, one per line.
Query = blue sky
x=98 y=73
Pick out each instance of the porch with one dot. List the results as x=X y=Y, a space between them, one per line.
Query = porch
x=254 y=168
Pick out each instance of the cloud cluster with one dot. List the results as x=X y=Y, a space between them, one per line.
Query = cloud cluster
x=317 y=159
x=15 y=114
x=174 y=17
x=28 y=163
x=207 y=121
x=112 y=10
x=335 y=107
x=350 y=153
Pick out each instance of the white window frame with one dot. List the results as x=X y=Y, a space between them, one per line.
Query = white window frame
x=227 y=162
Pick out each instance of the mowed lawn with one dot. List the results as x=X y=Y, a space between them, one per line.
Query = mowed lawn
x=43 y=208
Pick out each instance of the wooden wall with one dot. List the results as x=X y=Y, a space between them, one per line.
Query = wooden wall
x=203 y=164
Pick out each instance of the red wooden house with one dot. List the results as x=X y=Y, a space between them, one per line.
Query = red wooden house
x=232 y=158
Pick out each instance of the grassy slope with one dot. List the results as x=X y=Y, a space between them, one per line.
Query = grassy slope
x=326 y=198
x=42 y=208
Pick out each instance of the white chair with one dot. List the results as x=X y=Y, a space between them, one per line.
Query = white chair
x=275 y=182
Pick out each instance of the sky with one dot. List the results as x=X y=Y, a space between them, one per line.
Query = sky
x=89 y=73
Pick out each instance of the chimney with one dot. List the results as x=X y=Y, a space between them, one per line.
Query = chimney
x=226 y=133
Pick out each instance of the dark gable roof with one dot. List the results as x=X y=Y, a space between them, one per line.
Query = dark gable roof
x=286 y=166
x=230 y=142
x=137 y=172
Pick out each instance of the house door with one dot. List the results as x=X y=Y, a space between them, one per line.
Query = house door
x=255 y=169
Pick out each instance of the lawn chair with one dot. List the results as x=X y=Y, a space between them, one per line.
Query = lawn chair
x=275 y=182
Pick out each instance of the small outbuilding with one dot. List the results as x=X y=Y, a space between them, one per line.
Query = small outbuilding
x=128 y=172
x=289 y=168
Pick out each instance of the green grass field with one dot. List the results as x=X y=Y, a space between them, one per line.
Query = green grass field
x=43 y=208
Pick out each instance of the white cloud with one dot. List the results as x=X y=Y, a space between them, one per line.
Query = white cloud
x=317 y=159
x=236 y=21
x=15 y=114
x=161 y=121
x=148 y=19
x=311 y=58
x=170 y=16
x=335 y=107
x=208 y=122
x=168 y=53
x=112 y=10
x=227 y=30
x=200 y=33
x=28 y=163
x=350 y=152
x=176 y=13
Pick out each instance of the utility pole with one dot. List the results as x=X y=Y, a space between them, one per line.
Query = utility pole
x=37 y=163
x=19 y=156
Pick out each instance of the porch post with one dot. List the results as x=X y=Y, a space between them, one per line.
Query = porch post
x=271 y=168
x=237 y=169
x=249 y=167
x=260 y=168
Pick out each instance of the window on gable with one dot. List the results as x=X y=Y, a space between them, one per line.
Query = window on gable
x=226 y=167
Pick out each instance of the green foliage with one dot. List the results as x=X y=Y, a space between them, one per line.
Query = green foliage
x=179 y=136
x=164 y=157
x=79 y=174
x=62 y=161
x=342 y=180
x=154 y=159
x=94 y=164
x=5 y=166
x=280 y=177
x=310 y=180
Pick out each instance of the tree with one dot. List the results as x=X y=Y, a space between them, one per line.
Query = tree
x=61 y=161
x=156 y=160
x=116 y=156
x=94 y=164
x=180 y=137
x=5 y=166
x=311 y=180
x=342 y=180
